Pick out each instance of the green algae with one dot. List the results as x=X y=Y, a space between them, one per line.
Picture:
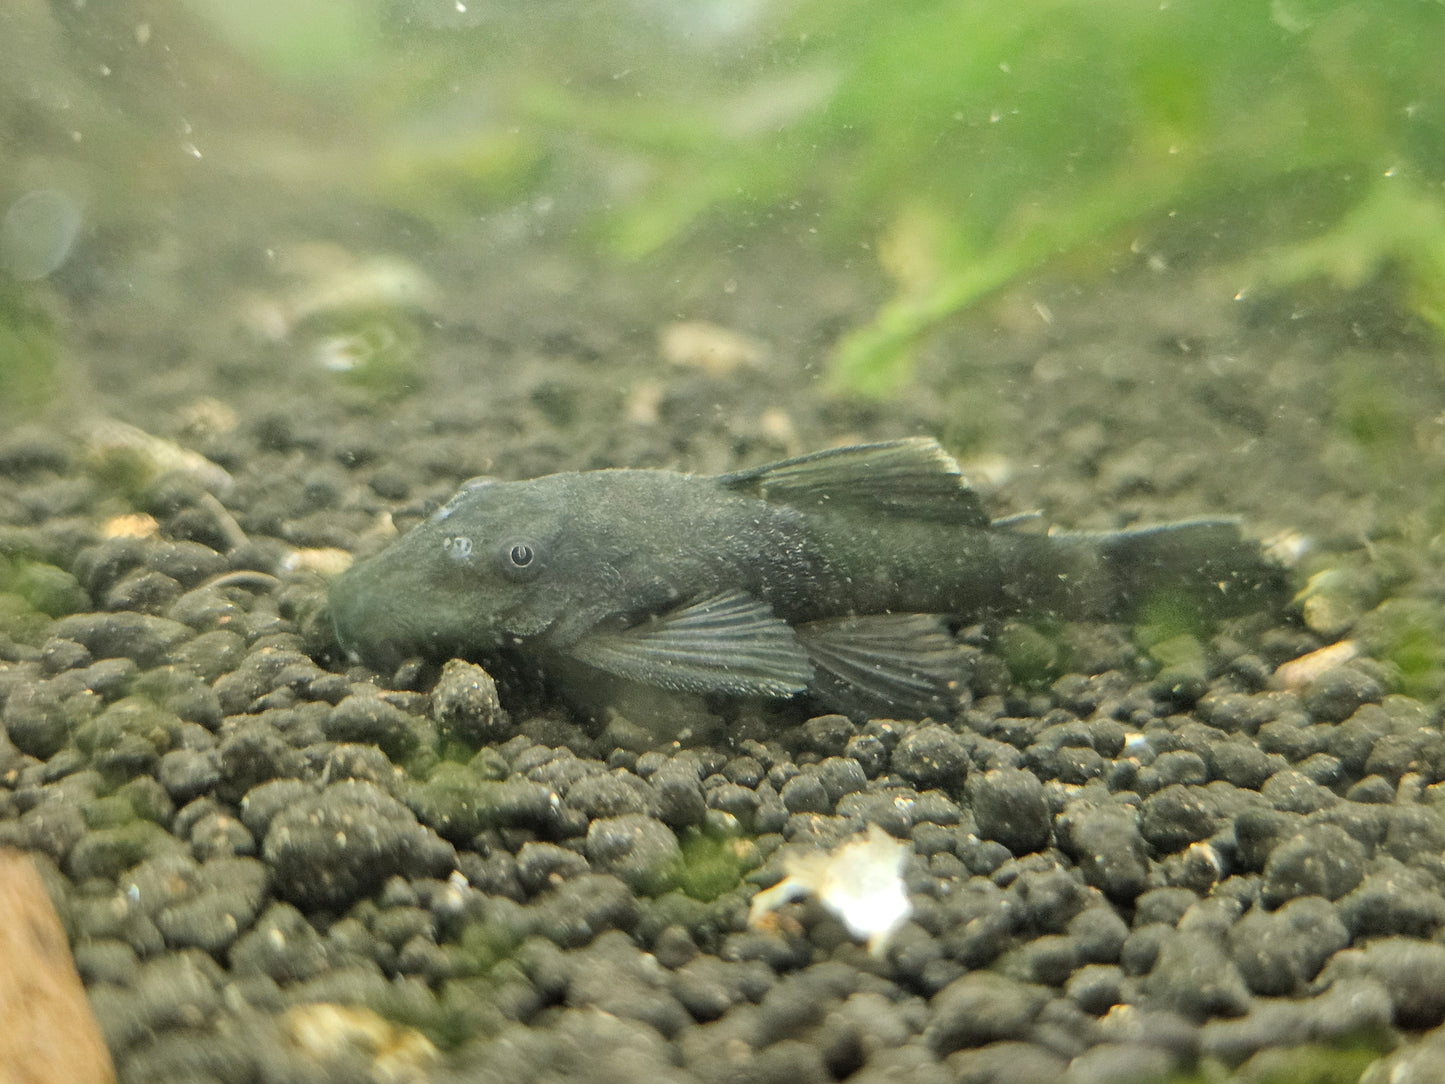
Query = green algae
x=127 y=738
x=50 y=590
x=458 y=803
x=1409 y=634
x=713 y=864
x=1034 y=653
x=110 y=851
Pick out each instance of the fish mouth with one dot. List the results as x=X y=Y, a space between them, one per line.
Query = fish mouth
x=387 y=652
x=384 y=640
x=368 y=633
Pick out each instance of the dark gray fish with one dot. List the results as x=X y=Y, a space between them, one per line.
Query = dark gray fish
x=832 y=572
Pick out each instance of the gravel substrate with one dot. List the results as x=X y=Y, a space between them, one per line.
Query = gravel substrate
x=273 y=867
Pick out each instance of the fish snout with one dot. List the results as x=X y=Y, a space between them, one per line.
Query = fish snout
x=361 y=626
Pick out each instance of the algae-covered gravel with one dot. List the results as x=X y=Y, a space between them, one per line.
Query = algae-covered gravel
x=1137 y=853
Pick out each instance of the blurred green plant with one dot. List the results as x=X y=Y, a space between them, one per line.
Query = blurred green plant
x=964 y=143
x=310 y=41
x=29 y=353
x=973 y=142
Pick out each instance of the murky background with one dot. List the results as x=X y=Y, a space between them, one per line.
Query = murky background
x=276 y=276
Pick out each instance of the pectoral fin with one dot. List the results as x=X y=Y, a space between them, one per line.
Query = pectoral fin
x=913 y=477
x=728 y=643
x=886 y=662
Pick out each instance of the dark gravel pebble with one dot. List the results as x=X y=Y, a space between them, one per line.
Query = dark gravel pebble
x=1105 y=840
x=641 y=850
x=220 y=900
x=1122 y=1063
x=109 y=852
x=1394 y=900
x=330 y=848
x=1278 y=953
x=251 y=753
x=458 y=805
x=1099 y=933
x=36 y=720
x=1179 y=815
x=932 y=756
x=609 y=794
x=1320 y=860
x=678 y=794
x=1096 y=988
x=176 y=990
x=142 y=590
x=1414 y=831
x=58 y=655
x=1337 y=693
x=806 y=793
x=738 y=802
x=188 y=773
x=982 y=1007
x=614 y=976
x=465 y=705
x=543 y=865
x=826 y=735
x=262 y=803
x=577 y=910
x=143 y=638
x=708 y=986
x=106 y=961
x=1008 y=806
x=1294 y=792
x=1194 y=976
x=1045 y=961
x=1345 y=1011
x=371 y=720
x=1411 y=972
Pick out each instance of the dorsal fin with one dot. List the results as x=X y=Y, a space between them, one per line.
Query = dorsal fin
x=913 y=477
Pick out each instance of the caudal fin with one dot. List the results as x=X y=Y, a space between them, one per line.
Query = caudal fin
x=1205 y=565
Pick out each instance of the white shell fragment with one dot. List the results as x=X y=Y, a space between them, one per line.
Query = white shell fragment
x=1297 y=673
x=112 y=441
x=717 y=351
x=861 y=882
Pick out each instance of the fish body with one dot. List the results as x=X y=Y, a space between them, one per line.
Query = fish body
x=831 y=572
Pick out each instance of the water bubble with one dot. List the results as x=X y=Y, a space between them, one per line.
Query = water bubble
x=38 y=233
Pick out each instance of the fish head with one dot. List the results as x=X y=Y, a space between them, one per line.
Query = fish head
x=485 y=571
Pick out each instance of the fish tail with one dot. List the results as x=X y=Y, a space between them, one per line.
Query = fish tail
x=1205 y=566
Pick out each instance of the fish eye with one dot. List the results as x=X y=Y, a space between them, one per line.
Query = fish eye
x=520 y=559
